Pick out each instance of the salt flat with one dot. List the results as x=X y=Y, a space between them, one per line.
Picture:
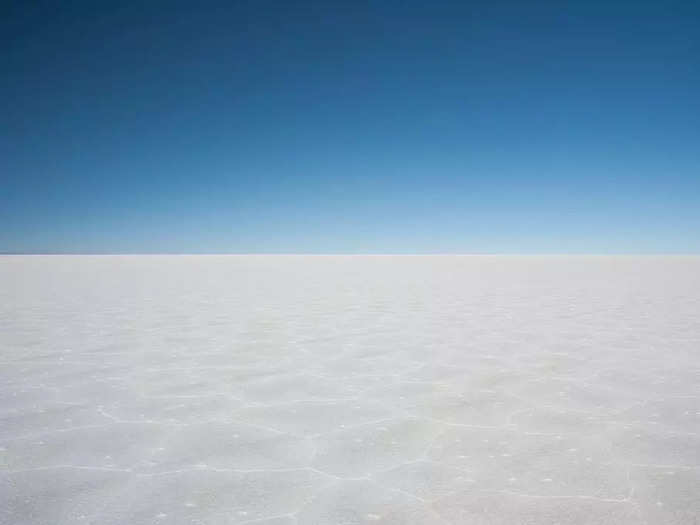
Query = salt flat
x=309 y=390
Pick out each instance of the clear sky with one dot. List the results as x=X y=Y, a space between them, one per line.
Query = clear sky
x=352 y=127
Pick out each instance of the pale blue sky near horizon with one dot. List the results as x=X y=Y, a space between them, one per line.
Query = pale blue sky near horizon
x=350 y=127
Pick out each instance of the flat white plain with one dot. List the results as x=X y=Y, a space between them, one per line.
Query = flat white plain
x=282 y=390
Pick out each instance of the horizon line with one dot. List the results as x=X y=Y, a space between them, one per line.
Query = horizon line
x=346 y=254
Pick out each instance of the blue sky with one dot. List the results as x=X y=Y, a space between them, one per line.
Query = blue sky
x=350 y=127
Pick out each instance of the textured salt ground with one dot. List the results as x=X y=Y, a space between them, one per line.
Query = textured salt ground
x=282 y=390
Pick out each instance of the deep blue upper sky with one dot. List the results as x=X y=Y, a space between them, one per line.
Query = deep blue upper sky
x=387 y=126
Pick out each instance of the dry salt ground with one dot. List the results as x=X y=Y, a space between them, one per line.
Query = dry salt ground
x=312 y=390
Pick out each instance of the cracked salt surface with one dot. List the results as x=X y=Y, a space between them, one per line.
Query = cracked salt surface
x=294 y=390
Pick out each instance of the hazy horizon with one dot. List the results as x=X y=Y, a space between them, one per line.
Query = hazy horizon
x=349 y=254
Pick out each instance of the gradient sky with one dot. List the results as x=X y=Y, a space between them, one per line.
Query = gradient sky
x=387 y=126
